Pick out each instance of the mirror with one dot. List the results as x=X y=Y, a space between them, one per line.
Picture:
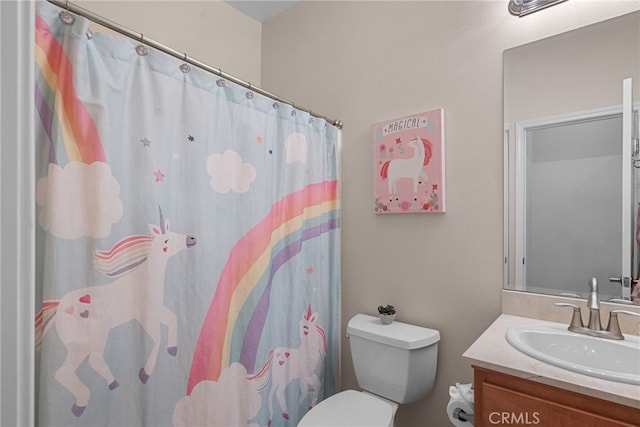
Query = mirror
x=572 y=186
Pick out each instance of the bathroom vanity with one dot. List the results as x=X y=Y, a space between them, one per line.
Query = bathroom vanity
x=512 y=388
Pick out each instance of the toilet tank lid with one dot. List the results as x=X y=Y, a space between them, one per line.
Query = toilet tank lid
x=397 y=334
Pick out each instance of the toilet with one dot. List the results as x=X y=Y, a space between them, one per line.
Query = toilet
x=394 y=364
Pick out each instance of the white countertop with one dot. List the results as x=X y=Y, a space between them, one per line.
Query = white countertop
x=492 y=351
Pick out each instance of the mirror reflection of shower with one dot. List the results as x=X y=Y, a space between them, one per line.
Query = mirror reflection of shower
x=571 y=212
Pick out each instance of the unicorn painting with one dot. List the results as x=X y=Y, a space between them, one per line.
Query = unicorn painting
x=83 y=318
x=411 y=168
x=288 y=364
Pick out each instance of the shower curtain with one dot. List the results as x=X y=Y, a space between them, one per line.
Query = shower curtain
x=188 y=241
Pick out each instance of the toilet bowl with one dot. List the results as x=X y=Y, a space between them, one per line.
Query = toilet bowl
x=394 y=364
x=351 y=408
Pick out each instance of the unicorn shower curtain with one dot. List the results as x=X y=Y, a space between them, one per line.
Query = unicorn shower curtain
x=188 y=255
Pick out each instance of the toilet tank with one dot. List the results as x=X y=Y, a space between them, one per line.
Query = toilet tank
x=397 y=361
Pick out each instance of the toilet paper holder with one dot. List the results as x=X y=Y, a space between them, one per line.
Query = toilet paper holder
x=461 y=415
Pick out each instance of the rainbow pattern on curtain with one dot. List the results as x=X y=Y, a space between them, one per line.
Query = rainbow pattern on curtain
x=251 y=266
x=77 y=128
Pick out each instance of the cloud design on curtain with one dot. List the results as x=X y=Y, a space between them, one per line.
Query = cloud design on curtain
x=79 y=200
x=210 y=401
x=229 y=173
x=296 y=146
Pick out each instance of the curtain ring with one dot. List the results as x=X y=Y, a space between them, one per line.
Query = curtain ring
x=66 y=6
x=66 y=16
x=185 y=68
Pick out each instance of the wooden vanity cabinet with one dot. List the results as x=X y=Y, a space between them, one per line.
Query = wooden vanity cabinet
x=502 y=400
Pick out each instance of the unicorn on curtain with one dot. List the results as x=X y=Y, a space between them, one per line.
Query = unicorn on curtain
x=288 y=364
x=84 y=317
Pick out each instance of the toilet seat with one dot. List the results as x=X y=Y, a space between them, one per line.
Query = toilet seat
x=351 y=408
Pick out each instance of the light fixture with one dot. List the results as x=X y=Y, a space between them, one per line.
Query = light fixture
x=524 y=7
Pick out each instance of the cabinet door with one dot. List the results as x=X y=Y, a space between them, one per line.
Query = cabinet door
x=501 y=406
x=502 y=399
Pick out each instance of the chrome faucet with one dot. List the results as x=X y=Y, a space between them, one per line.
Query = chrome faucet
x=594 y=327
x=593 y=304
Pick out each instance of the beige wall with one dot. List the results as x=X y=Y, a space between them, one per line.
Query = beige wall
x=364 y=62
x=210 y=31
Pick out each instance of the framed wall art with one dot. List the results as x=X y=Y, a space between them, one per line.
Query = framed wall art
x=409 y=164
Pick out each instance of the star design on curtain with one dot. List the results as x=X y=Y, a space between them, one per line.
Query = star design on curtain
x=159 y=176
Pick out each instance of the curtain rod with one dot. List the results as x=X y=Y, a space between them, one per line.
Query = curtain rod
x=182 y=56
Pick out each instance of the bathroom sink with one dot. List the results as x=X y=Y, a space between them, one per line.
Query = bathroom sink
x=597 y=357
